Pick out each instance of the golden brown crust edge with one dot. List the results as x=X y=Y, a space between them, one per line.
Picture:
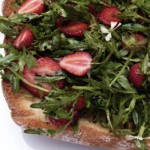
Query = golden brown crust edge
x=89 y=134
x=8 y=8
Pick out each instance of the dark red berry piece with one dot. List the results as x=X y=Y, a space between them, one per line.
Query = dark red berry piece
x=76 y=117
x=91 y=9
x=80 y=103
x=58 y=122
x=135 y=76
x=139 y=37
x=60 y=84
x=59 y=21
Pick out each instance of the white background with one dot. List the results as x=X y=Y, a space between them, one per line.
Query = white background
x=13 y=138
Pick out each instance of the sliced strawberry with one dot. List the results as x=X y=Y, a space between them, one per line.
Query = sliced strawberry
x=76 y=117
x=74 y=29
x=60 y=84
x=32 y=6
x=78 y=63
x=80 y=103
x=59 y=21
x=77 y=113
x=58 y=122
x=25 y=38
x=139 y=37
x=45 y=66
x=135 y=76
x=108 y=15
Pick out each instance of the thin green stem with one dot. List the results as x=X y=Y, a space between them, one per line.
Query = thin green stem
x=109 y=120
x=141 y=131
x=108 y=113
x=108 y=57
x=116 y=35
x=82 y=88
x=122 y=70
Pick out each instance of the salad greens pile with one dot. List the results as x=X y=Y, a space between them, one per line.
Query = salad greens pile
x=112 y=100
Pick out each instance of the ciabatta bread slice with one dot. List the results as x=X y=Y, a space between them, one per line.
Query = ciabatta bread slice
x=89 y=134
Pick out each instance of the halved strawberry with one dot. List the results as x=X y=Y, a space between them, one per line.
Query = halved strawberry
x=32 y=6
x=25 y=38
x=45 y=66
x=108 y=15
x=135 y=76
x=78 y=63
x=74 y=29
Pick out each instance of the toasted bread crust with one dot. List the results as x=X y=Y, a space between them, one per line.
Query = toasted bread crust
x=88 y=133
x=8 y=8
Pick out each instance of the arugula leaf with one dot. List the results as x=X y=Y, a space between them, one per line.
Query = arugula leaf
x=7 y=59
x=143 y=4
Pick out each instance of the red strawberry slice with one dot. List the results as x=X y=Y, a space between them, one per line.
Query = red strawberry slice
x=108 y=15
x=32 y=6
x=76 y=117
x=78 y=63
x=135 y=76
x=45 y=66
x=74 y=29
x=139 y=37
x=80 y=103
x=59 y=21
x=25 y=38
x=60 y=122
x=60 y=84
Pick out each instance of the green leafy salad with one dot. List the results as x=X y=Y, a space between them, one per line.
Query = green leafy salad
x=83 y=58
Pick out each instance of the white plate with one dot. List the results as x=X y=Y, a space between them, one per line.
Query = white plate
x=13 y=138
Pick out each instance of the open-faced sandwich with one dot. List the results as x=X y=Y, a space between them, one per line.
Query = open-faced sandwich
x=79 y=70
